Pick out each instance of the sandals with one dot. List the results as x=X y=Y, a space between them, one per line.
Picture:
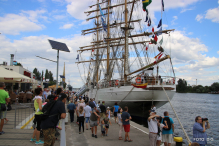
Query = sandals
x=130 y=140
x=120 y=138
x=125 y=140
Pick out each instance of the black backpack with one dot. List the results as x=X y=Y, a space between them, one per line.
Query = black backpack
x=168 y=123
x=46 y=110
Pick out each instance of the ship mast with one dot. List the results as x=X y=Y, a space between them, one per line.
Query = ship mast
x=97 y=52
x=126 y=43
x=108 y=42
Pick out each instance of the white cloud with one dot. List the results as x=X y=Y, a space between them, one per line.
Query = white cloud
x=213 y=14
x=217 y=52
x=66 y=26
x=14 y=24
x=190 y=33
x=59 y=17
x=184 y=10
x=34 y=15
x=199 y=17
x=174 y=19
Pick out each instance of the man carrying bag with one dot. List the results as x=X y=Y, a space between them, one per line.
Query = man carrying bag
x=4 y=97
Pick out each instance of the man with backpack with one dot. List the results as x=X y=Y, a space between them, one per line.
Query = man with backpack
x=56 y=110
x=167 y=133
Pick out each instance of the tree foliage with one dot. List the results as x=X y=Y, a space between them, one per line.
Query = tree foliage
x=37 y=74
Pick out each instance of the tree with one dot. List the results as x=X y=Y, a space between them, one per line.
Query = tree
x=214 y=86
x=37 y=73
x=19 y=64
x=42 y=75
x=47 y=74
x=50 y=76
x=182 y=86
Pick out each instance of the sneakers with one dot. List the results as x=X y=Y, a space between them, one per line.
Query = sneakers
x=92 y=135
x=32 y=139
x=39 y=142
x=95 y=136
x=2 y=132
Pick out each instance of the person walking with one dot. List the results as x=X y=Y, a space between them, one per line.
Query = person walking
x=199 y=128
x=102 y=110
x=81 y=115
x=94 y=121
x=38 y=109
x=153 y=128
x=91 y=104
x=107 y=122
x=87 y=111
x=4 y=98
x=126 y=124
x=71 y=109
x=115 y=111
x=167 y=134
x=108 y=111
x=119 y=115
x=49 y=124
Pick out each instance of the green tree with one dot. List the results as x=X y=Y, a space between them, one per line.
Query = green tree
x=42 y=75
x=182 y=86
x=47 y=74
x=19 y=64
x=37 y=74
x=214 y=86
x=50 y=76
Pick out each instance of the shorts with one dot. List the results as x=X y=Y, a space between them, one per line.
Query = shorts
x=115 y=114
x=103 y=132
x=87 y=119
x=107 y=126
x=126 y=128
x=93 y=123
x=102 y=115
x=167 y=138
x=3 y=114
x=38 y=122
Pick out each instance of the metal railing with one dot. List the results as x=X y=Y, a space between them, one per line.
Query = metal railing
x=24 y=114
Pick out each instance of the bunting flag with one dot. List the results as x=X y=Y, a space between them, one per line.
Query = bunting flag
x=103 y=20
x=92 y=50
x=155 y=38
x=147 y=46
x=146 y=18
x=159 y=32
x=160 y=23
x=145 y=4
x=162 y=5
x=152 y=29
x=161 y=41
x=157 y=55
x=77 y=57
x=141 y=86
x=149 y=22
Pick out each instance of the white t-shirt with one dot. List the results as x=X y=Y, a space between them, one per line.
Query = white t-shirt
x=154 y=108
x=87 y=110
x=152 y=125
x=161 y=128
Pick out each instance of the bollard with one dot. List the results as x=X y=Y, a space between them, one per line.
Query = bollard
x=178 y=141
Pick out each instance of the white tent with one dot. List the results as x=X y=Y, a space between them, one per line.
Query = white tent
x=13 y=77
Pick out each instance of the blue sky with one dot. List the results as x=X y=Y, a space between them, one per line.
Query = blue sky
x=26 y=26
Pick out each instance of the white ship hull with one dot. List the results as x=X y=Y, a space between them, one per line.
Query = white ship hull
x=137 y=99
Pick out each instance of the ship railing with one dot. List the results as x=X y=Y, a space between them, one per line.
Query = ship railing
x=151 y=80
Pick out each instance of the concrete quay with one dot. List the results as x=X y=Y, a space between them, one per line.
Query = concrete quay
x=21 y=137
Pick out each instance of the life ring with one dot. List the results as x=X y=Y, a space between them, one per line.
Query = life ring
x=117 y=82
x=138 y=80
x=109 y=83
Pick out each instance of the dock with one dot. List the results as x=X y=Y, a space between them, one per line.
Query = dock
x=21 y=137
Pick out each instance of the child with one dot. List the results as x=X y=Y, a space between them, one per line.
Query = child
x=103 y=128
x=107 y=121
x=108 y=111
x=160 y=126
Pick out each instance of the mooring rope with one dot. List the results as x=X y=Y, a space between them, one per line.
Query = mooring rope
x=127 y=94
x=177 y=117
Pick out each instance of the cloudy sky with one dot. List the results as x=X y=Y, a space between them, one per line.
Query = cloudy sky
x=26 y=26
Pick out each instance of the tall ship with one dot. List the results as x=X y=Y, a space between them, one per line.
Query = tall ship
x=129 y=58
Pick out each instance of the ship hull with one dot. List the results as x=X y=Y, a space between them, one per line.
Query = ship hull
x=138 y=100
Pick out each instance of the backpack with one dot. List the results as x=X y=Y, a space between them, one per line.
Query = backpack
x=168 y=123
x=46 y=110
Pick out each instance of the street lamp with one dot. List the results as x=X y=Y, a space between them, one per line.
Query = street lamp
x=57 y=46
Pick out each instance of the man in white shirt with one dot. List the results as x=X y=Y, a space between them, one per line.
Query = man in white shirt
x=87 y=110
x=153 y=129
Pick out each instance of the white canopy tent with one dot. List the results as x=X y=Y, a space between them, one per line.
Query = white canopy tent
x=14 y=77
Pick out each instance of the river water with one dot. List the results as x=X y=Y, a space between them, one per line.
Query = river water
x=187 y=107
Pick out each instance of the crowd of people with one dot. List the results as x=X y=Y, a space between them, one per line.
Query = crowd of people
x=50 y=108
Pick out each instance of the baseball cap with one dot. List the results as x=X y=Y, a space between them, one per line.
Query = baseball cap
x=62 y=96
